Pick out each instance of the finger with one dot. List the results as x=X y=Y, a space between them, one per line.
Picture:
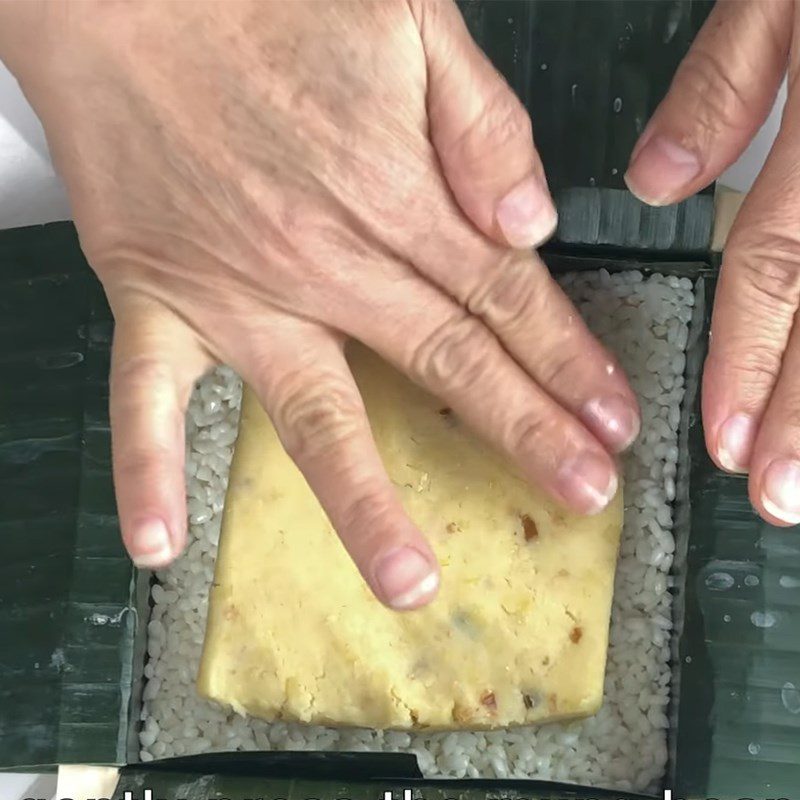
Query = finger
x=517 y=299
x=520 y=302
x=775 y=464
x=155 y=360
x=719 y=98
x=511 y=292
x=482 y=135
x=755 y=305
x=453 y=354
x=514 y=296
x=308 y=391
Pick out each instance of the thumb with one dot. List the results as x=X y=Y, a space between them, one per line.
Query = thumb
x=155 y=361
x=720 y=96
x=482 y=135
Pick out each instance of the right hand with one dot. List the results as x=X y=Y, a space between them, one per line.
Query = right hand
x=256 y=183
x=720 y=97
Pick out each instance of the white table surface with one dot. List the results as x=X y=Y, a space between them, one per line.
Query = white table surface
x=31 y=193
x=19 y=786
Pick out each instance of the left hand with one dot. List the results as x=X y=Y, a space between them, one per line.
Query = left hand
x=255 y=183
x=720 y=97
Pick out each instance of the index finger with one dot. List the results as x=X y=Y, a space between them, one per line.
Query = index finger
x=513 y=294
x=455 y=356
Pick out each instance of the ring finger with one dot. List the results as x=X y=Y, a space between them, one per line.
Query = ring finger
x=306 y=387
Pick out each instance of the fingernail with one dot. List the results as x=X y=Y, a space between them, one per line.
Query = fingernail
x=526 y=215
x=661 y=170
x=587 y=483
x=406 y=578
x=615 y=419
x=780 y=492
x=735 y=442
x=150 y=544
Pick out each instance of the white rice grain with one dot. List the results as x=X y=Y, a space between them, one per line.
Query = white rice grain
x=644 y=321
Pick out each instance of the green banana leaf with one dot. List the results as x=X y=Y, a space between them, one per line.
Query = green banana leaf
x=591 y=72
x=73 y=611
x=67 y=612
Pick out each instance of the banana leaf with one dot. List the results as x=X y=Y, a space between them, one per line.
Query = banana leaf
x=73 y=610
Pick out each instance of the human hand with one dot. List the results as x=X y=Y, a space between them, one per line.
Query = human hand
x=720 y=97
x=256 y=183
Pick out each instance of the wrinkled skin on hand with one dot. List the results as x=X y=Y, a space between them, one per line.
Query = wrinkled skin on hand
x=720 y=97
x=256 y=183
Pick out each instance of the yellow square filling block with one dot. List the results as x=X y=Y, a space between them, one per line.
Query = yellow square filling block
x=518 y=633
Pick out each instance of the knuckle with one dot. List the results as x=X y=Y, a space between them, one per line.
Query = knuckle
x=506 y=120
x=366 y=514
x=141 y=372
x=754 y=369
x=312 y=418
x=455 y=356
x=506 y=299
x=789 y=416
x=145 y=380
x=530 y=434
x=136 y=461
x=710 y=97
x=502 y=123
x=561 y=367
x=770 y=268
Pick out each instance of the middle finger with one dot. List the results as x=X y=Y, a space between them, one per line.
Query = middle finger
x=452 y=353
x=512 y=292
